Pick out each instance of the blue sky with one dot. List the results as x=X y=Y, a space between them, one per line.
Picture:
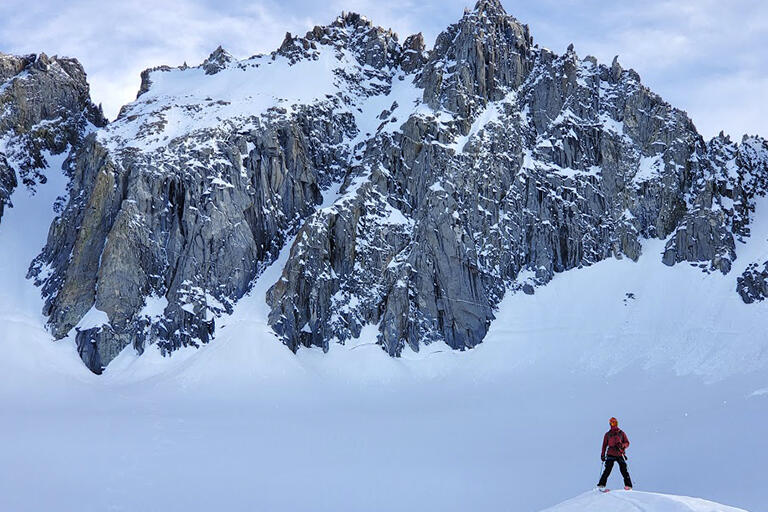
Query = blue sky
x=705 y=56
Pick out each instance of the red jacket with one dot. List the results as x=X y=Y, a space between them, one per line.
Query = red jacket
x=616 y=441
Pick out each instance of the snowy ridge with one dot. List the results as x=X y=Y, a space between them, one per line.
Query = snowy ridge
x=177 y=102
x=636 y=501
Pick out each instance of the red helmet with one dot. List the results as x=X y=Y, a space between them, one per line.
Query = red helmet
x=613 y=422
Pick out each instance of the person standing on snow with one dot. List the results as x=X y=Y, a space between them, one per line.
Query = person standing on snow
x=615 y=440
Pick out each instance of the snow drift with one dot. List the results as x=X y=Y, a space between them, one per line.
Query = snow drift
x=634 y=501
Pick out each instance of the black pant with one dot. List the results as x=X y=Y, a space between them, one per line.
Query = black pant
x=609 y=466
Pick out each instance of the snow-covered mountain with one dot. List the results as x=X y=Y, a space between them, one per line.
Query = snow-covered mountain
x=421 y=187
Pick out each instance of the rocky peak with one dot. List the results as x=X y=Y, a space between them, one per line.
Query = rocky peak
x=371 y=45
x=414 y=53
x=42 y=62
x=354 y=21
x=754 y=149
x=216 y=61
x=752 y=156
x=479 y=59
x=490 y=8
x=351 y=26
x=46 y=108
x=294 y=48
x=24 y=76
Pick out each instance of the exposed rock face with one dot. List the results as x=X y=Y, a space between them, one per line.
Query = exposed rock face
x=484 y=165
x=193 y=219
x=45 y=106
x=720 y=203
x=752 y=285
x=526 y=160
x=414 y=53
x=479 y=59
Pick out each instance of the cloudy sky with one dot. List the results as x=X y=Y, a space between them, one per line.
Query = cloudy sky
x=708 y=57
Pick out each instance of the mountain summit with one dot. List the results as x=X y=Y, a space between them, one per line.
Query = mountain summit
x=633 y=501
x=490 y=7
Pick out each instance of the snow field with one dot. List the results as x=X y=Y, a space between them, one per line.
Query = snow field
x=244 y=424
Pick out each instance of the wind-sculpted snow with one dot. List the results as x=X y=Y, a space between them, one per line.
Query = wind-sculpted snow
x=459 y=171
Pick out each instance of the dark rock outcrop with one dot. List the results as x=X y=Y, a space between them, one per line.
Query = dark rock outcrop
x=752 y=285
x=217 y=61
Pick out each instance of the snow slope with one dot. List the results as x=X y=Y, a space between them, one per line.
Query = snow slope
x=28 y=353
x=183 y=101
x=633 y=501
x=180 y=100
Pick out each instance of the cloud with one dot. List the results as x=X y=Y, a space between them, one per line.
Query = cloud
x=704 y=56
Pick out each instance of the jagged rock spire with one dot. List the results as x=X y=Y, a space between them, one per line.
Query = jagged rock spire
x=492 y=7
x=476 y=60
x=414 y=53
x=217 y=61
x=616 y=69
